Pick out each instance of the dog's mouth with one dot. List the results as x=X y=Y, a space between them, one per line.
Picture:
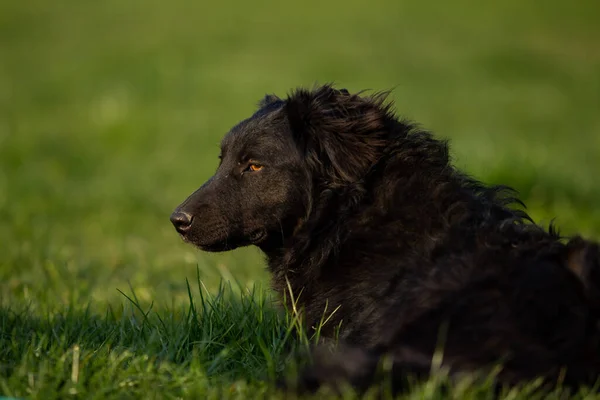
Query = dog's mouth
x=228 y=243
x=216 y=247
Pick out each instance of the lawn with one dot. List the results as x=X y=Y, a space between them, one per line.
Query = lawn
x=111 y=113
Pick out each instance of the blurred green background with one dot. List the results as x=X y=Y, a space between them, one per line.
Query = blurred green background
x=111 y=113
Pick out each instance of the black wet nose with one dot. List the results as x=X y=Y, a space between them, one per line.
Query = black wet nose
x=182 y=221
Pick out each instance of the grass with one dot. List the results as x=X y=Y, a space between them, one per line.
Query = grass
x=111 y=113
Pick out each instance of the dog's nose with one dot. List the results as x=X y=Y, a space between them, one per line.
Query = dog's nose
x=182 y=221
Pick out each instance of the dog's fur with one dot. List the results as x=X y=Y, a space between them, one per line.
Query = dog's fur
x=363 y=213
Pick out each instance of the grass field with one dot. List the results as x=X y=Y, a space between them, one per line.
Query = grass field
x=111 y=113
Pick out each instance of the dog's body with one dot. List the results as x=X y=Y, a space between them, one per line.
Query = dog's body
x=363 y=217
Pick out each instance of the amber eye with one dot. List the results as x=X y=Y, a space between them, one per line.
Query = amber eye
x=254 y=167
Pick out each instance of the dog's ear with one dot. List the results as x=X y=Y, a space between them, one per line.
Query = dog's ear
x=304 y=108
x=339 y=134
x=298 y=108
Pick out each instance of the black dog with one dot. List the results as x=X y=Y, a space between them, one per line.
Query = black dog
x=363 y=213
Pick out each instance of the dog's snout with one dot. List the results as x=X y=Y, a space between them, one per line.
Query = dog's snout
x=182 y=221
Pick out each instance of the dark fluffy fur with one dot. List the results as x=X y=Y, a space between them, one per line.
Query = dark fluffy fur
x=363 y=213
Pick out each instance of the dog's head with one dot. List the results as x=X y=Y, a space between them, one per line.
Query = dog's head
x=275 y=162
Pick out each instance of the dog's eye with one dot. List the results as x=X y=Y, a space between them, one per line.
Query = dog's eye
x=254 y=167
